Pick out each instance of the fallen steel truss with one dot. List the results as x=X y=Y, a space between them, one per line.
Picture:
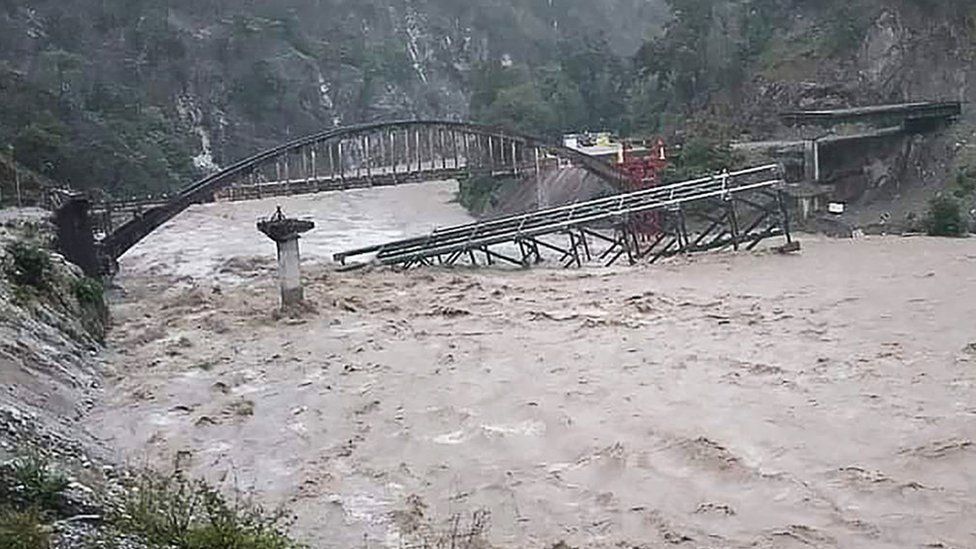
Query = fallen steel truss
x=727 y=210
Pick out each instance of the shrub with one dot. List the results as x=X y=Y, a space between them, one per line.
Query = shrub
x=478 y=194
x=945 y=217
x=28 y=265
x=23 y=530
x=965 y=183
x=89 y=292
x=699 y=157
x=94 y=311
x=29 y=482
x=172 y=511
x=158 y=509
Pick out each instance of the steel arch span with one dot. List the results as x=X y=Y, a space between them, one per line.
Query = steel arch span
x=375 y=154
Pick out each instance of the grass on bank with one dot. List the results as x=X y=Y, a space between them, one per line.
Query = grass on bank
x=164 y=511
x=173 y=511
x=947 y=213
x=31 y=496
x=23 y=529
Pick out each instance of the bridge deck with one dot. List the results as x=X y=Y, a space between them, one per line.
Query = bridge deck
x=884 y=113
x=712 y=200
x=374 y=154
x=108 y=215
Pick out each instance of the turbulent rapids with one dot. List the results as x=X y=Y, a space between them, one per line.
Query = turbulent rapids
x=743 y=399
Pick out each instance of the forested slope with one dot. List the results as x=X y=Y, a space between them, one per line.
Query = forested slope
x=136 y=96
x=724 y=70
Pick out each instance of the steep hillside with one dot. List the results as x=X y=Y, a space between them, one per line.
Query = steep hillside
x=726 y=69
x=51 y=319
x=746 y=59
x=140 y=96
x=59 y=486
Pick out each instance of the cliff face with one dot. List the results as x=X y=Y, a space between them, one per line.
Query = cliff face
x=138 y=96
x=746 y=59
x=728 y=68
x=892 y=52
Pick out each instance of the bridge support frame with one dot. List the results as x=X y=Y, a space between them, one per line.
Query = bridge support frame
x=733 y=221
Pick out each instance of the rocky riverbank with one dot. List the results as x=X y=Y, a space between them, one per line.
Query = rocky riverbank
x=59 y=488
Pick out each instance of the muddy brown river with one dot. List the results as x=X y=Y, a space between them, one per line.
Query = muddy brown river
x=823 y=399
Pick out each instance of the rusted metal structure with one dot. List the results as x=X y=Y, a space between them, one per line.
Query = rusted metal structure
x=645 y=172
x=729 y=209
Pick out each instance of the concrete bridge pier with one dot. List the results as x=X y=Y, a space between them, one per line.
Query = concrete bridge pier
x=286 y=233
x=289 y=273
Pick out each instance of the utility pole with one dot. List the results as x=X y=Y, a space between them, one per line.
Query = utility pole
x=16 y=181
x=10 y=150
x=13 y=164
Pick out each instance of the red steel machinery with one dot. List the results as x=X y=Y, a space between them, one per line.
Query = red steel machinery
x=644 y=162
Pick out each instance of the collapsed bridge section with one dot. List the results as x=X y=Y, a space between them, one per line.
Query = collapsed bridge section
x=728 y=209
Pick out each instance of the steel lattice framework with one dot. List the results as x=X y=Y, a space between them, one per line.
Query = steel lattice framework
x=730 y=209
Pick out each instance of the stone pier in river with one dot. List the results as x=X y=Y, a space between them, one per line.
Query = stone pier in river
x=286 y=232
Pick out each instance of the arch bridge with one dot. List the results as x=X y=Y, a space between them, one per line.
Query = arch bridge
x=367 y=155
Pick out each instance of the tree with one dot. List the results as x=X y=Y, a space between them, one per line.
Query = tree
x=945 y=217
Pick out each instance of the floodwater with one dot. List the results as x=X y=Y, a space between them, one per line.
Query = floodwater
x=824 y=399
x=201 y=240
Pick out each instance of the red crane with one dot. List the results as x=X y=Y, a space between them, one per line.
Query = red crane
x=644 y=162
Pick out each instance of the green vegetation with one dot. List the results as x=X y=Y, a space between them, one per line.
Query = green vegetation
x=94 y=310
x=169 y=512
x=28 y=265
x=29 y=483
x=945 y=217
x=31 y=495
x=477 y=194
x=23 y=530
x=699 y=157
x=705 y=53
x=585 y=89
x=964 y=184
x=89 y=292
x=107 y=138
x=174 y=512
x=113 y=100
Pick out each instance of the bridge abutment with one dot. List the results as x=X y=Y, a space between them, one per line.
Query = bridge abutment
x=76 y=242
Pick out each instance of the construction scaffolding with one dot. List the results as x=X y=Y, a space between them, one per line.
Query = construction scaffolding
x=731 y=209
